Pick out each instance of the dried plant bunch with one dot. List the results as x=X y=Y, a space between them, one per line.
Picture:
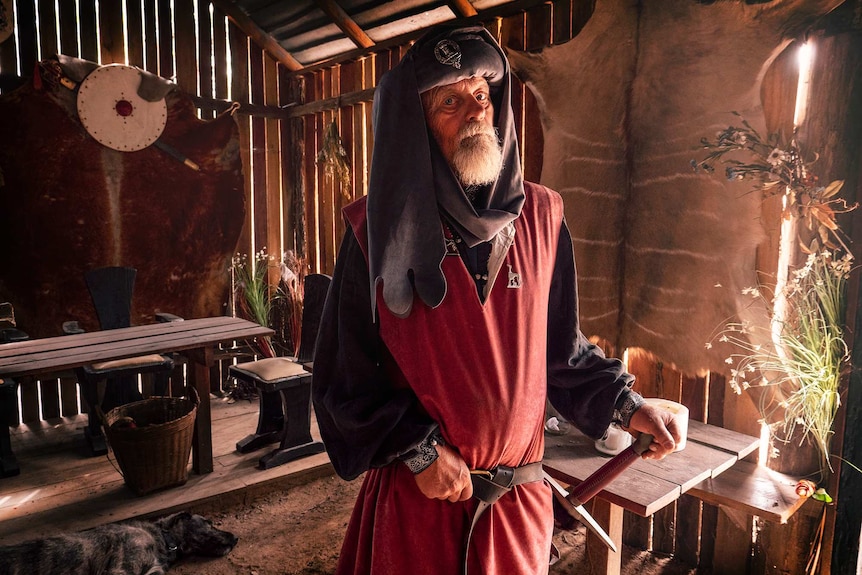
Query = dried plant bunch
x=252 y=284
x=334 y=158
x=779 y=167
x=805 y=355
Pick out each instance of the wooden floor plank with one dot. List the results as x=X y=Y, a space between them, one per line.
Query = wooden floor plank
x=61 y=488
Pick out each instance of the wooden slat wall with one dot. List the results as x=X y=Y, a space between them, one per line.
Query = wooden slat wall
x=293 y=205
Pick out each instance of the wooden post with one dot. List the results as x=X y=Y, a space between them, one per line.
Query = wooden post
x=600 y=559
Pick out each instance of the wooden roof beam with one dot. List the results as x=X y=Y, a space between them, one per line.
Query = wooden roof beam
x=261 y=38
x=462 y=8
x=347 y=24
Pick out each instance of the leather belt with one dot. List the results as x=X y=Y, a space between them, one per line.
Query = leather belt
x=489 y=486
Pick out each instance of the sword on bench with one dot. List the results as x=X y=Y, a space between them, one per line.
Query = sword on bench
x=573 y=502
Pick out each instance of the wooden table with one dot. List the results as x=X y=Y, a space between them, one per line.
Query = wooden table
x=647 y=485
x=196 y=338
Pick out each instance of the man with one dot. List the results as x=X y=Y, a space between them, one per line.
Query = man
x=452 y=312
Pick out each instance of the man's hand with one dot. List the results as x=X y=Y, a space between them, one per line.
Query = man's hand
x=447 y=478
x=659 y=423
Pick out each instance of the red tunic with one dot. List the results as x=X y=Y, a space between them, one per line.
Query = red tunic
x=480 y=371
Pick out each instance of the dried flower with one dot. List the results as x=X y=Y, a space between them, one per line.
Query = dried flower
x=805 y=488
x=777 y=167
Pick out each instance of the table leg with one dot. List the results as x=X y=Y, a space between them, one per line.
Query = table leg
x=8 y=417
x=602 y=560
x=202 y=443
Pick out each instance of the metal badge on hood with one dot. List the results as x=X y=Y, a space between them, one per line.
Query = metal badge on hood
x=448 y=52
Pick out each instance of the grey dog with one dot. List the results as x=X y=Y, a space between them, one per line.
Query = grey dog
x=127 y=548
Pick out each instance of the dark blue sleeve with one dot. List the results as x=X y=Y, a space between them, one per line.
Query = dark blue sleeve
x=365 y=421
x=583 y=384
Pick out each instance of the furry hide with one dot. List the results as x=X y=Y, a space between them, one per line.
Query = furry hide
x=127 y=548
x=624 y=106
x=69 y=204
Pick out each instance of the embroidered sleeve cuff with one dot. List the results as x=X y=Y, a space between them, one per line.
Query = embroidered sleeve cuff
x=628 y=402
x=424 y=454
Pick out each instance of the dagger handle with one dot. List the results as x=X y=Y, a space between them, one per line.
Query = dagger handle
x=588 y=488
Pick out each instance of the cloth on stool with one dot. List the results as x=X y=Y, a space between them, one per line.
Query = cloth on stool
x=137 y=361
x=270 y=369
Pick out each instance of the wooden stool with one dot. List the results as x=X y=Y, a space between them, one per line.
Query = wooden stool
x=290 y=422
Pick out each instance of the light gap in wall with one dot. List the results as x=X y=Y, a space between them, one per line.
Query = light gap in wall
x=125 y=12
x=787 y=235
x=38 y=33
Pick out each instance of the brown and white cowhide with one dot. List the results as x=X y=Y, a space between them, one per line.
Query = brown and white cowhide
x=69 y=204
x=624 y=106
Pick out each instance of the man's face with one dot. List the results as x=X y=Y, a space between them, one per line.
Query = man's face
x=461 y=118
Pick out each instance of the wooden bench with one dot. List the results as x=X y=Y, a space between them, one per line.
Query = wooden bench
x=753 y=489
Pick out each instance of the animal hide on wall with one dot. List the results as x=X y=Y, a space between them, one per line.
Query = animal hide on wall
x=624 y=106
x=68 y=204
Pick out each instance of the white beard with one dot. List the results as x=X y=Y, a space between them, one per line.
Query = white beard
x=478 y=156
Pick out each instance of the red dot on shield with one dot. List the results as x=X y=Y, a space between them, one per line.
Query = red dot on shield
x=124 y=108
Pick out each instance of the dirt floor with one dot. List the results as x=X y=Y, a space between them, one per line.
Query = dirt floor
x=298 y=531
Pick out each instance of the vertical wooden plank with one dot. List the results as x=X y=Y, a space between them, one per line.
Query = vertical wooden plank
x=151 y=41
x=538 y=27
x=534 y=138
x=9 y=56
x=205 y=55
x=48 y=45
x=87 y=19
x=708 y=524
x=258 y=152
x=166 y=43
x=601 y=560
x=286 y=91
x=382 y=63
x=68 y=29
x=733 y=543
x=68 y=396
x=347 y=83
x=135 y=33
x=561 y=26
x=111 y=32
x=709 y=539
x=50 y=398
x=185 y=46
x=313 y=90
x=726 y=534
x=273 y=186
x=844 y=521
x=326 y=183
x=689 y=516
x=637 y=529
x=240 y=93
x=27 y=387
x=514 y=35
x=582 y=10
x=219 y=33
x=668 y=386
x=687 y=532
x=25 y=22
x=368 y=82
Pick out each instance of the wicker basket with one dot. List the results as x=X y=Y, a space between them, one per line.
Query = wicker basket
x=154 y=453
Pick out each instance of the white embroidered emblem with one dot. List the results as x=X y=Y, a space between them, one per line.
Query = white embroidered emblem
x=514 y=279
x=449 y=53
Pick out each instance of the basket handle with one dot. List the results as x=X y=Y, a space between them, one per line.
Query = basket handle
x=192 y=394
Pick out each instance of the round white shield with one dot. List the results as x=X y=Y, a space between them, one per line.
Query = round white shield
x=112 y=112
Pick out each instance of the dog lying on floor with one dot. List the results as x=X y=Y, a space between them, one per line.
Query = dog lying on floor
x=127 y=548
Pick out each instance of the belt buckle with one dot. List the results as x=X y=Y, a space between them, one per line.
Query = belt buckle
x=503 y=475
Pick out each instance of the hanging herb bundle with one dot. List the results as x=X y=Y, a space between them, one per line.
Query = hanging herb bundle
x=334 y=158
